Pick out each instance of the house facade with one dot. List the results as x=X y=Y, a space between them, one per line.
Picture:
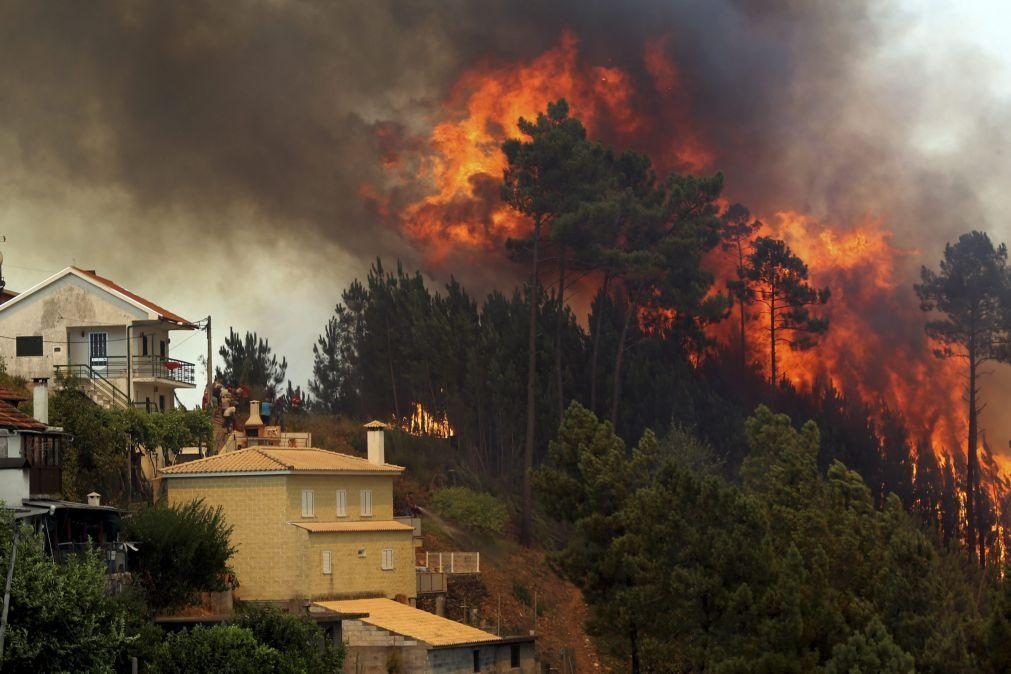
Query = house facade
x=85 y=326
x=307 y=523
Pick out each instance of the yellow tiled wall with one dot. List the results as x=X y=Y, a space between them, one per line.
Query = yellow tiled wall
x=268 y=557
x=325 y=488
x=358 y=575
x=277 y=561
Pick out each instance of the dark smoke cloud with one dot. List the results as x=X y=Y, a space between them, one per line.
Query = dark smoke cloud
x=233 y=139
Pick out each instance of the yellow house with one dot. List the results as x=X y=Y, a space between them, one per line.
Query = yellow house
x=307 y=523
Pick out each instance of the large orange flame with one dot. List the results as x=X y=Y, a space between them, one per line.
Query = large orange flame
x=863 y=351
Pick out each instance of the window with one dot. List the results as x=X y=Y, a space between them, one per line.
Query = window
x=143 y=344
x=308 y=503
x=28 y=346
x=366 y=503
x=514 y=655
x=161 y=402
x=361 y=553
x=3 y=446
x=387 y=564
x=327 y=563
x=477 y=661
x=342 y=503
x=163 y=351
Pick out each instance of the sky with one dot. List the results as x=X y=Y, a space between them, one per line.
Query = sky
x=209 y=161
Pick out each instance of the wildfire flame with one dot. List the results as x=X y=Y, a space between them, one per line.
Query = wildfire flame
x=875 y=347
x=422 y=423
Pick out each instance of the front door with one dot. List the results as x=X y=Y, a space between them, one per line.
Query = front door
x=99 y=352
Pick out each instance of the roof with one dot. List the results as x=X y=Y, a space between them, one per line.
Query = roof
x=411 y=622
x=375 y=424
x=106 y=284
x=10 y=395
x=163 y=313
x=352 y=527
x=279 y=460
x=13 y=418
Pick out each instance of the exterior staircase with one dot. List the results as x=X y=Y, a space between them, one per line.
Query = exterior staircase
x=101 y=391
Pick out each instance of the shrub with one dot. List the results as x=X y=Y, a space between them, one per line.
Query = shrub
x=184 y=550
x=300 y=639
x=222 y=649
x=477 y=511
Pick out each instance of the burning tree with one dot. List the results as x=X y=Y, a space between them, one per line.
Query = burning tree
x=738 y=228
x=971 y=289
x=542 y=181
x=780 y=283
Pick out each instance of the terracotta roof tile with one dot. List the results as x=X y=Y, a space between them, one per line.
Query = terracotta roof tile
x=264 y=459
x=410 y=622
x=164 y=313
x=12 y=417
x=352 y=527
x=10 y=395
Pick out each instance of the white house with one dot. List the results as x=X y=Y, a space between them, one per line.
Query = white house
x=79 y=324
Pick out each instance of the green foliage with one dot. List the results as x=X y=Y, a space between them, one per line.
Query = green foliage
x=792 y=571
x=184 y=550
x=869 y=652
x=222 y=649
x=478 y=512
x=60 y=618
x=300 y=639
x=249 y=361
x=97 y=457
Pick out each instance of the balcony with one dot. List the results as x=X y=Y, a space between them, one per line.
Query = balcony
x=158 y=367
x=144 y=367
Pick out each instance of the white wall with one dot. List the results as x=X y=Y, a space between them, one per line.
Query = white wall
x=67 y=303
x=13 y=486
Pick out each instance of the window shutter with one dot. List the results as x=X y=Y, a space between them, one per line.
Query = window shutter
x=387 y=559
x=308 y=506
x=342 y=502
x=327 y=563
x=366 y=502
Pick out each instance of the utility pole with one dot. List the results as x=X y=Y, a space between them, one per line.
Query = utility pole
x=210 y=368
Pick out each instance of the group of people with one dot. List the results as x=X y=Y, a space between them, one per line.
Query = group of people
x=225 y=398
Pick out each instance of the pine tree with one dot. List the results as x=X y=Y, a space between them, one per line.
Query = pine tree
x=971 y=291
x=780 y=282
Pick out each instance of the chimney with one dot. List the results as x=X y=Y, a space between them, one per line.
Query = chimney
x=40 y=400
x=254 y=423
x=94 y=499
x=375 y=433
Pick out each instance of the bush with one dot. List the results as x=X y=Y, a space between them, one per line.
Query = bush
x=300 y=639
x=477 y=511
x=222 y=649
x=60 y=618
x=184 y=550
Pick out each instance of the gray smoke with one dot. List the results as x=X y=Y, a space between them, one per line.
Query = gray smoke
x=212 y=154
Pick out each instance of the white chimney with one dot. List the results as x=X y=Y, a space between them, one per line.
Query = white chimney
x=375 y=434
x=94 y=499
x=40 y=400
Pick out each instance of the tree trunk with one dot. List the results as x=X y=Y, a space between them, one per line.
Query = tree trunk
x=633 y=637
x=560 y=319
x=393 y=377
x=740 y=277
x=596 y=349
x=772 y=336
x=970 y=482
x=616 y=388
x=526 y=524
